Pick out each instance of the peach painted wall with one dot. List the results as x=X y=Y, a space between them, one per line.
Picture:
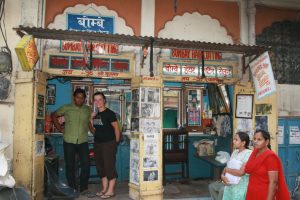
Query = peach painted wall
x=130 y=10
x=227 y=13
x=266 y=16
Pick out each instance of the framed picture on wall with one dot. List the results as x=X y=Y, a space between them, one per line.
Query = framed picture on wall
x=51 y=94
x=244 y=106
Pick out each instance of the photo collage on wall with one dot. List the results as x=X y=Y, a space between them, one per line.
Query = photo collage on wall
x=150 y=127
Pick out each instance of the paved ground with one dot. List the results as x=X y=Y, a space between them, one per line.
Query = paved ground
x=193 y=190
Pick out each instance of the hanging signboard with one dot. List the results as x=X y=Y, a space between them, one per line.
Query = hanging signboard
x=102 y=67
x=27 y=52
x=90 y=23
x=263 y=77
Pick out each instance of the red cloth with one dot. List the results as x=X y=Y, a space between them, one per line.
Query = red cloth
x=257 y=168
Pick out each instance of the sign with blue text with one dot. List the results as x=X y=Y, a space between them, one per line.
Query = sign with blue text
x=90 y=23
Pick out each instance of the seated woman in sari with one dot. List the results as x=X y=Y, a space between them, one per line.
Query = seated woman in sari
x=234 y=191
x=266 y=178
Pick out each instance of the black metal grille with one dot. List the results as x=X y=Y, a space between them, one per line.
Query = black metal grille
x=284 y=37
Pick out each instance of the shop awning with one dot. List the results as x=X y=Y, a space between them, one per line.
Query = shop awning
x=44 y=33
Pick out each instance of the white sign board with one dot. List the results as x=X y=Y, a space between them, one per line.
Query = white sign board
x=294 y=135
x=280 y=136
x=263 y=77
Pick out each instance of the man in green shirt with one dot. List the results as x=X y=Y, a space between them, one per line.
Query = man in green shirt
x=75 y=135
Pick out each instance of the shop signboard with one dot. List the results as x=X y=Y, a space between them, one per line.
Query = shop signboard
x=210 y=71
x=188 y=71
x=263 y=77
x=194 y=54
x=70 y=65
x=224 y=71
x=98 y=47
x=172 y=69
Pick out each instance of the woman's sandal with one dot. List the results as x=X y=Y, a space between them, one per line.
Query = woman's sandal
x=107 y=196
x=99 y=194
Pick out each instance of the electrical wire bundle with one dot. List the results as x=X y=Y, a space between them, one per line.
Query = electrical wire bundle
x=5 y=84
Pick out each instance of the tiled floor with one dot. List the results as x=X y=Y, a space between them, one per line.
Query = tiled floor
x=193 y=190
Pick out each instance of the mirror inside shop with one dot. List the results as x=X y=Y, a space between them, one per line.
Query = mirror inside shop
x=196 y=123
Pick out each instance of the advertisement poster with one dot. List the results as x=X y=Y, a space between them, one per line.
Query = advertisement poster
x=263 y=77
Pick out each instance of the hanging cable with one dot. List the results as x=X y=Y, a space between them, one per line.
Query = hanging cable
x=151 y=57
x=202 y=57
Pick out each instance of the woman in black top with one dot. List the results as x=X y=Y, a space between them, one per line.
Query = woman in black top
x=106 y=136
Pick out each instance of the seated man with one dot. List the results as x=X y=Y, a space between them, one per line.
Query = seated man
x=216 y=190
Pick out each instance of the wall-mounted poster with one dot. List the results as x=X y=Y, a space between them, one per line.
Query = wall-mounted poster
x=261 y=123
x=135 y=95
x=150 y=125
x=280 y=136
x=244 y=124
x=151 y=175
x=194 y=107
x=150 y=162
x=134 y=169
x=39 y=126
x=39 y=148
x=151 y=147
x=150 y=110
x=263 y=109
x=134 y=146
x=51 y=94
x=41 y=106
x=150 y=95
x=244 y=106
x=135 y=109
x=294 y=135
x=135 y=124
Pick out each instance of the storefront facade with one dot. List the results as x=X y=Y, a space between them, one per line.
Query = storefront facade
x=126 y=69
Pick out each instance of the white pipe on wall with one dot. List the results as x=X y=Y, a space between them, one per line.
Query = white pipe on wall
x=148 y=17
x=251 y=11
x=244 y=33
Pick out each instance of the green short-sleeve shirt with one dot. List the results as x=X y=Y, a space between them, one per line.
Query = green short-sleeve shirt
x=76 y=122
